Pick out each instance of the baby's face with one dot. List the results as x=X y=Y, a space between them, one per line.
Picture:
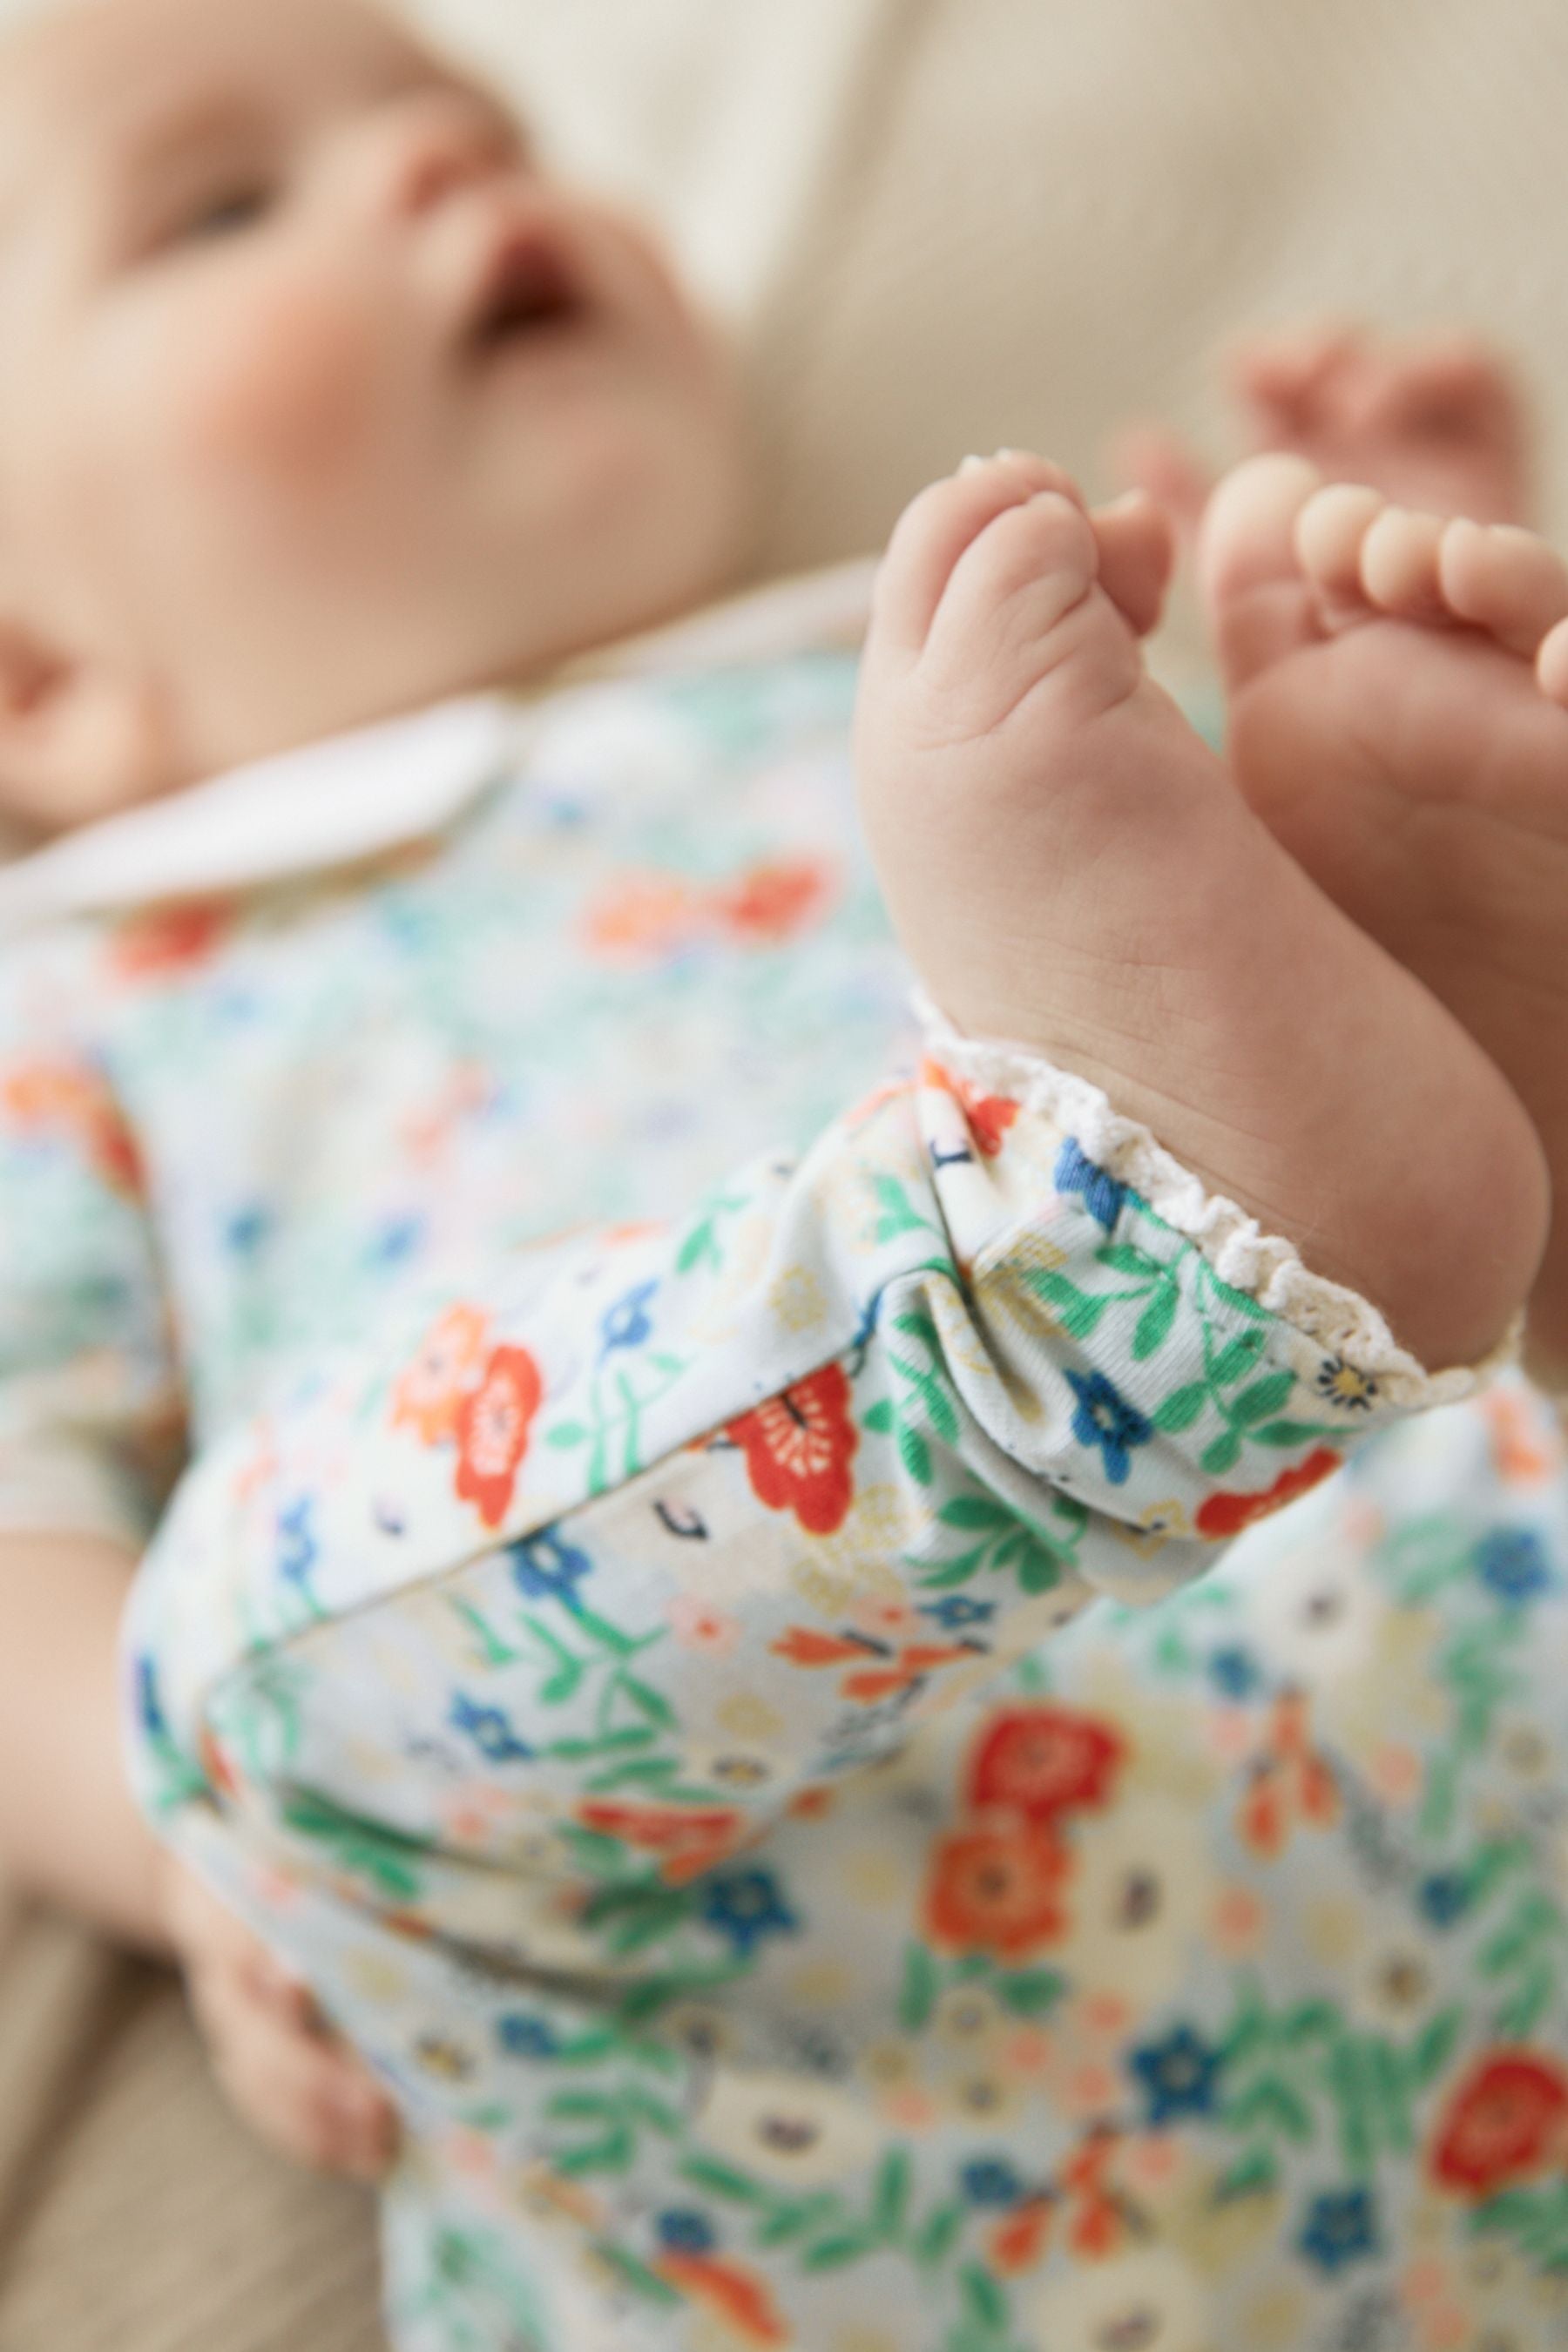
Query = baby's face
x=318 y=399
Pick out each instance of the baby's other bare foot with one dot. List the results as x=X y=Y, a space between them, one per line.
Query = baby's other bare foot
x=1398 y=685
x=1071 y=869
x=1437 y=423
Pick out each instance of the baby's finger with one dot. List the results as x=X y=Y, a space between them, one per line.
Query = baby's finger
x=312 y=2100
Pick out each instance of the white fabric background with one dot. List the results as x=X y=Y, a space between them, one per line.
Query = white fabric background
x=947 y=224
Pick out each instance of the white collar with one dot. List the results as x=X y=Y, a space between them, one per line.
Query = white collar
x=355 y=795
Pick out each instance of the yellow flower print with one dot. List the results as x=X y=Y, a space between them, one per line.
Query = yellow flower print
x=796 y=1300
x=1150 y=2297
x=786 y=2130
x=1157 y=1525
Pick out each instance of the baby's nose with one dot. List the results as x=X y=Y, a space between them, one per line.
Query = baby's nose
x=433 y=147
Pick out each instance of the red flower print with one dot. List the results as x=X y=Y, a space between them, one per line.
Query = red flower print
x=690 y=1838
x=491 y=1430
x=1017 y=2243
x=1227 y=1515
x=996 y=1887
x=988 y=1116
x=430 y=1393
x=176 y=938
x=799 y=1448
x=75 y=1103
x=739 y=2299
x=1507 y=2119
x=772 y=902
x=1043 y=1760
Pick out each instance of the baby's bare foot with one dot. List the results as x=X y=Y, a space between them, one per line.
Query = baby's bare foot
x=1437 y=423
x=1398 y=685
x=1071 y=869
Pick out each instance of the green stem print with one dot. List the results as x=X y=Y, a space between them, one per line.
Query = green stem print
x=1152 y=1286
x=1296 y=2074
x=613 y=1431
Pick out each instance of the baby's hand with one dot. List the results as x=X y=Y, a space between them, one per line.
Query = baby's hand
x=1438 y=423
x=294 y=2081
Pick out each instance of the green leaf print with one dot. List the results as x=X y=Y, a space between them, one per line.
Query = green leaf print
x=897 y=1216
x=1038 y=1552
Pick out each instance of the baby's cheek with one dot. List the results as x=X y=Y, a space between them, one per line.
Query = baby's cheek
x=284 y=396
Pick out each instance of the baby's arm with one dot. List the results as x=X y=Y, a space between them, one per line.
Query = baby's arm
x=68 y=1830
x=89 y=1416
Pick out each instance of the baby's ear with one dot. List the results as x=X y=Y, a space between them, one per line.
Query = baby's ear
x=77 y=739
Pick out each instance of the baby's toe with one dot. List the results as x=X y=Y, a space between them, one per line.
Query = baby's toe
x=1551 y=664
x=1503 y=580
x=990 y=640
x=1137 y=556
x=936 y=528
x=1260 y=607
x=1399 y=554
x=1330 y=532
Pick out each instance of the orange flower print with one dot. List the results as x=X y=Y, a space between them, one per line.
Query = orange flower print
x=690 y=1838
x=996 y=1887
x=1043 y=1760
x=1017 y=2243
x=430 y=1393
x=799 y=1448
x=170 y=939
x=1507 y=2120
x=905 y=1666
x=73 y=1102
x=1224 y=1516
x=491 y=1429
x=1292 y=1783
x=773 y=902
x=645 y=915
x=988 y=1116
x=736 y=2296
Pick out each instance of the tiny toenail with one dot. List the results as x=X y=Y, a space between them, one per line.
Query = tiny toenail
x=1003 y=455
x=972 y=465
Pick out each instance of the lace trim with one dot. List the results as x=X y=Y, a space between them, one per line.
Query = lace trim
x=1265 y=1266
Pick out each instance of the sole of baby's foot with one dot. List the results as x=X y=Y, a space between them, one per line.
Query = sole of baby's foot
x=1072 y=870
x=1398 y=689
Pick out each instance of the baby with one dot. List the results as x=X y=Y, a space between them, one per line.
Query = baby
x=552 y=1637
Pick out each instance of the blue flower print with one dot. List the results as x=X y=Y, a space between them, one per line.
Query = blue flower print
x=546 y=1568
x=627 y=1323
x=397 y=1241
x=522 y=2035
x=1512 y=1562
x=149 y=1706
x=1103 y=1197
x=745 y=1906
x=1339 y=2228
x=1180 y=2076
x=1234 y=1673
x=956 y=1610
x=297 y=1551
x=247 y=1229
x=489 y=1730
x=990 y=2181
x=684 y=2231
x=1445 y=1897
x=1104 y=1418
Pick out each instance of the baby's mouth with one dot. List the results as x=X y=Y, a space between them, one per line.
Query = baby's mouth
x=527 y=296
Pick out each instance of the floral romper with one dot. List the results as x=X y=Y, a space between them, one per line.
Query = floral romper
x=658 y=1622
